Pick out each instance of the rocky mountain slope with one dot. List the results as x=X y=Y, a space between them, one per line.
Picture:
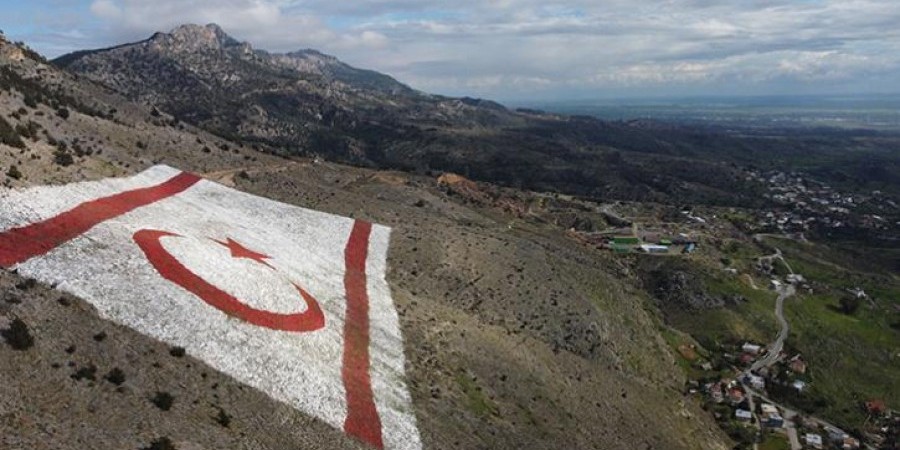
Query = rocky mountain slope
x=311 y=104
x=516 y=335
x=295 y=99
x=307 y=103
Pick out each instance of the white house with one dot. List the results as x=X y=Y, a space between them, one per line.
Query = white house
x=813 y=440
x=752 y=349
x=755 y=381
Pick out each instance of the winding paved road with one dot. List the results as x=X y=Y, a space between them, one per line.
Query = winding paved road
x=775 y=347
x=784 y=291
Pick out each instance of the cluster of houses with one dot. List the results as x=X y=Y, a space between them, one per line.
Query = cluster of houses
x=788 y=370
x=811 y=204
x=727 y=391
x=818 y=435
x=813 y=434
x=764 y=266
x=828 y=438
x=883 y=428
x=731 y=397
x=769 y=415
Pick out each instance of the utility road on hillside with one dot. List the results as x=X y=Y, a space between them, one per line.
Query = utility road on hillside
x=784 y=291
x=775 y=347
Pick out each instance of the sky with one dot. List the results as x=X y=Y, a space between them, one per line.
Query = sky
x=520 y=50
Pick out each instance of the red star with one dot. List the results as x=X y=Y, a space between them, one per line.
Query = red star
x=239 y=251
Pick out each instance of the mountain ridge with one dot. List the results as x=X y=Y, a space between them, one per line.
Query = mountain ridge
x=314 y=105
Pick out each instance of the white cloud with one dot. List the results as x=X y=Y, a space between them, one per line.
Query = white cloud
x=373 y=39
x=105 y=9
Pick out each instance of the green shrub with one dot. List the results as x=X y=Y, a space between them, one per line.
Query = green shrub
x=9 y=136
x=28 y=130
x=163 y=443
x=63 y=158
x=13 y=172
x=163 y=400
x=849 y=304
x=17 y=335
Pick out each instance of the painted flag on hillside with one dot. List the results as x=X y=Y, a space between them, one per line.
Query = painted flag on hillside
x=290 y=301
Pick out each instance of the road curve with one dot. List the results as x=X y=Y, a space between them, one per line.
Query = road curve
x=784 y=291
x=775 y=347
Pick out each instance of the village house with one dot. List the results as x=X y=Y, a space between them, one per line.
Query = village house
x=774 y=421
x=875 y=407
x=836 y=434
x=797 y=365
x=653 y=248
x=715 y=392
x=770 y=416
x=850 y=443
x=755 y=381
x=813 y=440
x=743 y=415
x=736 y=395
x=752 y=349
x=795 y=278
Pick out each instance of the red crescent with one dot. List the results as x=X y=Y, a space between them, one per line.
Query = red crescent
x=171 y=269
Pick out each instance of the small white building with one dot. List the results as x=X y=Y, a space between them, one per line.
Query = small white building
x=752 y=349
x=836 y=434
x=813 y=440
x=795 y=278
x=653 y=248
x=755 y=381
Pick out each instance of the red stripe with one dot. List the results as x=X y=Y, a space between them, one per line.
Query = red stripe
x=20 y=244
x=171 y=269
x=362 y=419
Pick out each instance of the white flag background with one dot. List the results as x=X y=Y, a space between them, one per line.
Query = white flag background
x=290 y=301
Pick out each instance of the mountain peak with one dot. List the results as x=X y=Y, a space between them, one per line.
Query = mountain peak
x=196 y=37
